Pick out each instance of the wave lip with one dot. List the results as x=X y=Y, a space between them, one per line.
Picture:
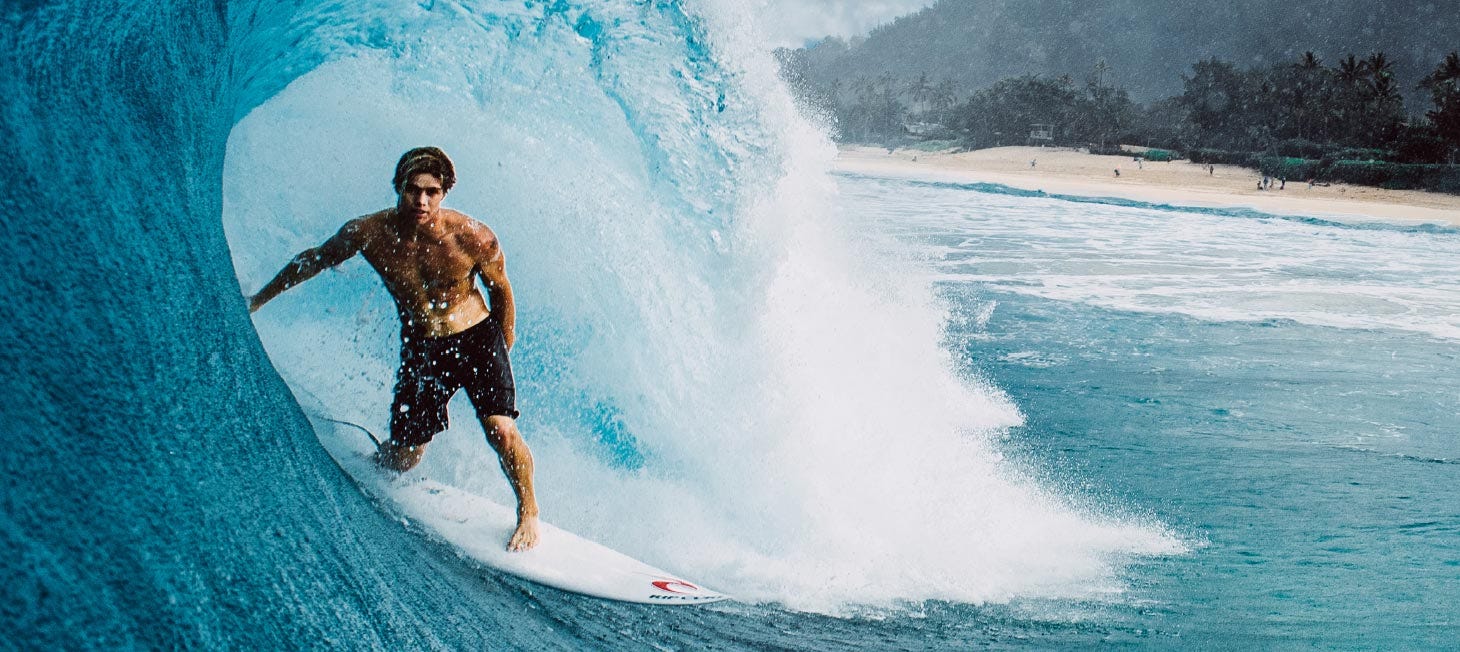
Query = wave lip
x=165 y=463
x=705 y=344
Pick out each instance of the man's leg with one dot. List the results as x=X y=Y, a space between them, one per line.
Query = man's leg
x=398 y=458
x=516 y=462
x=417 y=413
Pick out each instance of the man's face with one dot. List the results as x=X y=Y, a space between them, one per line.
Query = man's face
x=420 y=197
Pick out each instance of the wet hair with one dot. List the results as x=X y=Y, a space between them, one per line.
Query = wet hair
x=425 y=160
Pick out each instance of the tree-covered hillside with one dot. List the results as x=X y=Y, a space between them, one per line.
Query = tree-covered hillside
x=1197 y=81
x=1148 y=44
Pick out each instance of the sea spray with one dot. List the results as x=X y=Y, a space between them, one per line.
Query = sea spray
x=717 y=375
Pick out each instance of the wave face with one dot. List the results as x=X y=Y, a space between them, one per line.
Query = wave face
x=717 y=377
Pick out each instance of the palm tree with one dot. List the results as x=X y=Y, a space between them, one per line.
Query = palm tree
x=1385 y=105
x=1309 y=61
x=1445 y=76
x=887 y=88
x=1352 y=70
x=920 y=91
x=1350 y=98
x=858 y=114
x=1384 y=89
x=1306 y=92
x=1102 y=104
x=1381 y=75
x=1213 y=98
x=1444 y=86
x=945 y=96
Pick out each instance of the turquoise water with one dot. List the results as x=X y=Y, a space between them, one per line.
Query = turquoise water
x=1283 y=393
x=881 y=415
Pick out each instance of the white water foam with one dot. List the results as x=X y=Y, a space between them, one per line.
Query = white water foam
x=795 y=433
x=1210 y=267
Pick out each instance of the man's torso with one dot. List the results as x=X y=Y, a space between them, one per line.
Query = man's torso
x=430 y=276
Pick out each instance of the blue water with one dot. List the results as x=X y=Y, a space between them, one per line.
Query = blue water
x=1281 y=392
x=881 y=414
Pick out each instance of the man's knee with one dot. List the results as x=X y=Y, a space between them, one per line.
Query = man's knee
x=399 y=458
x=502 y=432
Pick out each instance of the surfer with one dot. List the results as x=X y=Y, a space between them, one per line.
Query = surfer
x=429 y=258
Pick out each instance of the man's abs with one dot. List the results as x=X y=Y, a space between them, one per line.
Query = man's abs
x=442 y=317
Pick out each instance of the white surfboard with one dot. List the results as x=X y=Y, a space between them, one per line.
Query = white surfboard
x=479 y=528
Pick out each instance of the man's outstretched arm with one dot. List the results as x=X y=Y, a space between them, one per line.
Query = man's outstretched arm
x=310 y=262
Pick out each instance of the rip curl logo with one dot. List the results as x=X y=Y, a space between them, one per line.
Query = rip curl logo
x=680 y=590
x=675 y=586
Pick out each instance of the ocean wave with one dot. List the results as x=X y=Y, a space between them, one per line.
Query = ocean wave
x=713 y=373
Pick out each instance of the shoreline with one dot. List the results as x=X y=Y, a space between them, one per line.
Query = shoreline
x=1176 y=183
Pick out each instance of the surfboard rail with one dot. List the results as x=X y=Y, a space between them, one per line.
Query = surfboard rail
x=478 y=528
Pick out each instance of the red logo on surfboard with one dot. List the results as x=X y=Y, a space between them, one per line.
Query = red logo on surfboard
x=675 y=586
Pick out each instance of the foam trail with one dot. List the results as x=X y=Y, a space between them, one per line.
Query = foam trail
x=1212 y=265
x=716 y=376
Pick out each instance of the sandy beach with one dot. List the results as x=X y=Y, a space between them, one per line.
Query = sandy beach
x=1180 y=183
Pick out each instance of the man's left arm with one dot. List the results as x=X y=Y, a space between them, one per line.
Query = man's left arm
x=499 y=290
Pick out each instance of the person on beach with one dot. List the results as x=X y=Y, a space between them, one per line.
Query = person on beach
x=430 y=258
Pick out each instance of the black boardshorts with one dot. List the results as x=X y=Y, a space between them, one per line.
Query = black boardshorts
x=433 y=368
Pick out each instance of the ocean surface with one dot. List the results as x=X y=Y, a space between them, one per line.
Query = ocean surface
x=881 y=414
x=1279 y=391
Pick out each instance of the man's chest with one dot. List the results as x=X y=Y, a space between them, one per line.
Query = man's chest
x=422 y=264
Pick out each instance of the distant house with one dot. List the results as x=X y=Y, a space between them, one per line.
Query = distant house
x=1041 y=134
x=927 y=130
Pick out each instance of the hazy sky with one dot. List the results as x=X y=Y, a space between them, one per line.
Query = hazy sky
x=792 y=22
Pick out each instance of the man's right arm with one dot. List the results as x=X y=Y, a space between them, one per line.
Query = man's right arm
x=310 y=262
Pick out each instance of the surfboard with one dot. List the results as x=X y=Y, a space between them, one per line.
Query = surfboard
x=479 y=528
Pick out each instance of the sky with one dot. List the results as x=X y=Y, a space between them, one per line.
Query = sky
x=793 y=22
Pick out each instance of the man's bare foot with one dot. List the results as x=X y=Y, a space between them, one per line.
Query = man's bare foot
x=526 y=535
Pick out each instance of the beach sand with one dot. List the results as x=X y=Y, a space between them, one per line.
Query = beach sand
x=1178 y=183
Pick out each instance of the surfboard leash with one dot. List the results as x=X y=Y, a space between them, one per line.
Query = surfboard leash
x=361 y=428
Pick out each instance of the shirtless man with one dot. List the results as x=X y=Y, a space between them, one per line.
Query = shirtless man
x=429 y=259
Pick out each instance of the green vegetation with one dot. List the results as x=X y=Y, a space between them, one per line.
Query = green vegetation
x=1301 y=120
